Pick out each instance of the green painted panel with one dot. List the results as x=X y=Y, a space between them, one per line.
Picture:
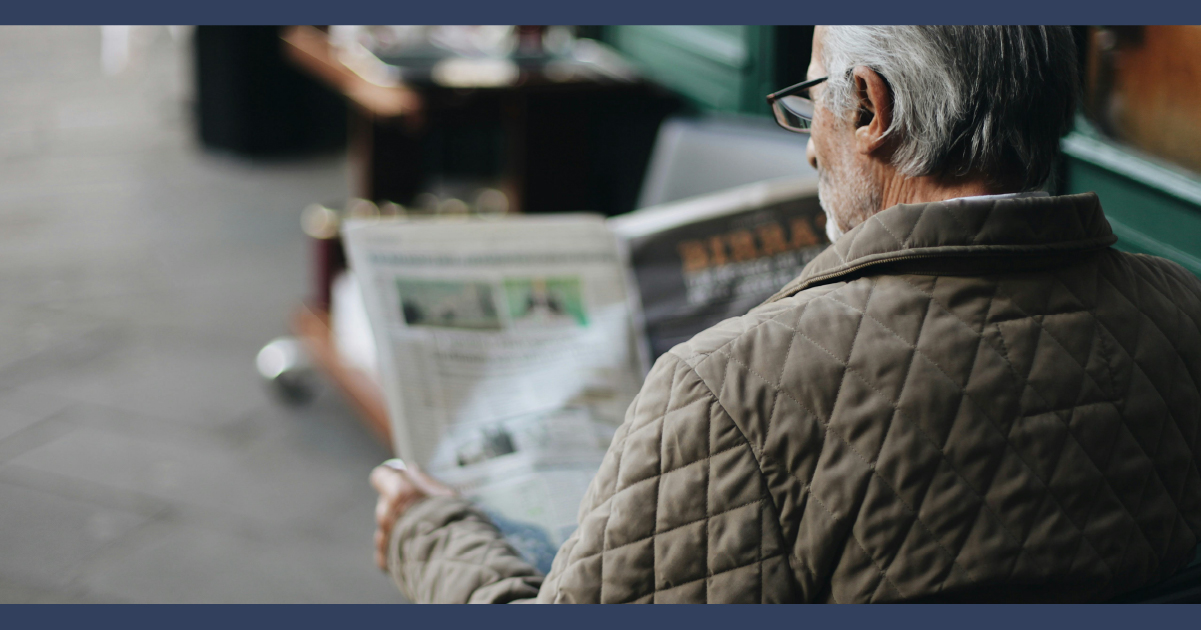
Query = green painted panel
x=1144 y=219
x=1153 y=208
x=719 y=68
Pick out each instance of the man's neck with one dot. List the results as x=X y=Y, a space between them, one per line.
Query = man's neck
x=899 y=189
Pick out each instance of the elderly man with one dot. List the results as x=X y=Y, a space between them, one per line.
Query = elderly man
x=969 y=396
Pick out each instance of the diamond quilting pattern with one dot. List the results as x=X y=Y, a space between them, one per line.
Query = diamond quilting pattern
x=904 y=436
x=884 y=435
x=689 y=508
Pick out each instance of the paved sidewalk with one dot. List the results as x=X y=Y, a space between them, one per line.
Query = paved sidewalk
x=140 y=458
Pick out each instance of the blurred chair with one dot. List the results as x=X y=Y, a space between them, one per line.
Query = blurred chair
x=696 y=156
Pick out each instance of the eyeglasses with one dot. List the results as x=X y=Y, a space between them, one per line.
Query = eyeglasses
x=793 y=106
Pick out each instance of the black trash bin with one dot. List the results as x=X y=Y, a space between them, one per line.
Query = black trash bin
x=252 y=101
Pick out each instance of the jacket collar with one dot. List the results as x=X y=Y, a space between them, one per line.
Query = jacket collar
x=992 y=227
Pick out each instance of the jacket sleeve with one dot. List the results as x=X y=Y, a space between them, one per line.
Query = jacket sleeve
x=679 y=511
x=445 y=551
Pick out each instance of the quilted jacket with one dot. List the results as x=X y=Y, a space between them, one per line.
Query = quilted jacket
x=971 y=400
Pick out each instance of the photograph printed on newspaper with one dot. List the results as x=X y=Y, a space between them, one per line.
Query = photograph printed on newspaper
x=701 y=260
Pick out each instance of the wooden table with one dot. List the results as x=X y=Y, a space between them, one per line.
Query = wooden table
x=574 y=140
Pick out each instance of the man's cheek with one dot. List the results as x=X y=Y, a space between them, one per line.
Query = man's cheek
x=811 y=152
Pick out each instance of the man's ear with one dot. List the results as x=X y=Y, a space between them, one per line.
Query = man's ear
x=874 y=115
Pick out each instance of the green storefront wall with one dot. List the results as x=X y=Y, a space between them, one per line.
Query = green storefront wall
x=725 y=69
x=1154 y=207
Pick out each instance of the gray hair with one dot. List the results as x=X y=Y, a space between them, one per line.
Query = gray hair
x=987 y=100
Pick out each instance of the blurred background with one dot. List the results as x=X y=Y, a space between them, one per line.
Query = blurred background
x=188 y=410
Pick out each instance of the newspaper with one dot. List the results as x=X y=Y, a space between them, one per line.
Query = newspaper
x=699 y=261
x=508 y=349
x=507 y=353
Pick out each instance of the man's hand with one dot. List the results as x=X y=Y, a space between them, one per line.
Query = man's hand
x=398 y=490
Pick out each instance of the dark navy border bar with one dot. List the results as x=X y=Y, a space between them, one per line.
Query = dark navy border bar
x=923 y=617
x=601 y=12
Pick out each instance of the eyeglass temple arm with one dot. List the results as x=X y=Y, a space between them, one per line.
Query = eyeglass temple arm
x=794 y=88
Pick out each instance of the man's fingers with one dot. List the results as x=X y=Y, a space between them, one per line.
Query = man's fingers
x=383 y=534
x=385 y=509
x=397 y=490
x=381 y=543
x=392 y=486
x=386 y=481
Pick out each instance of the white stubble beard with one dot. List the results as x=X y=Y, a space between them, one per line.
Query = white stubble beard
x=849 y=194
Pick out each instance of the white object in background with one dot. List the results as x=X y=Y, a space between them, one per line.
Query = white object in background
x=698 y=156
x=285 y=366
x=116 y=42
x=351 y=329
x=121 y=44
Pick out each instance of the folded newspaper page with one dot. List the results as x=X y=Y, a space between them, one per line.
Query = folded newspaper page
x=508 y=349
x=701 y=260
x=507 y=353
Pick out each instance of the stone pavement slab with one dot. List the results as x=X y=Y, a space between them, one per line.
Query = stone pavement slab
x=141 y=460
